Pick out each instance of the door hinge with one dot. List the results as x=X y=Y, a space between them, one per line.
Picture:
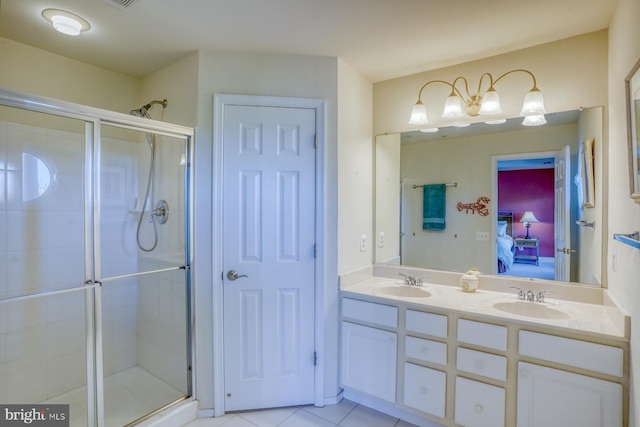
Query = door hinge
x=315 y=358
x=315 y=140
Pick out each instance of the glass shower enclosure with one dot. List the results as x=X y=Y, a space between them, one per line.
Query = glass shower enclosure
x=90 y=317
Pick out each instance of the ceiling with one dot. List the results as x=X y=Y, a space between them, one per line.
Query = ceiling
x=382 y=39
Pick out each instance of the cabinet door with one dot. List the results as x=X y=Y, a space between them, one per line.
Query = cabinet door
x=369 y=360
x=479 y=405
x=425 y=389
x=554 y=398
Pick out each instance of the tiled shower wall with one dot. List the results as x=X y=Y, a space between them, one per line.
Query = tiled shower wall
x=42 y=340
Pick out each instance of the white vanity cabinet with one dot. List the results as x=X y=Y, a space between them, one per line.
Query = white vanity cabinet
x=551 y=397
x=435 y=367
x=369 y=354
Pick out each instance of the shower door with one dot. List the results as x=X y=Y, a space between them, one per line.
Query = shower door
x=88 y=320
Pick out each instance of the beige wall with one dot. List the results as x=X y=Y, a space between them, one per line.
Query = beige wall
x=570 y=73
x=35 y=71
x=623 y=214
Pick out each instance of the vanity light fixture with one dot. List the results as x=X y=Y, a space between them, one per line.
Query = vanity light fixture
x=482 y=104
x=66 y=22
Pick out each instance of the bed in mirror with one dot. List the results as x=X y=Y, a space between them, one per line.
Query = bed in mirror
x=518 y=169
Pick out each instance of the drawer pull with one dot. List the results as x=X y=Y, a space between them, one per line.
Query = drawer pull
x=423 y=390
x=480 y=364
x=478 y=408
x=425 y=350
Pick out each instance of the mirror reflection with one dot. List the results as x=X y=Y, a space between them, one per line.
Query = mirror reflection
x=517 y=207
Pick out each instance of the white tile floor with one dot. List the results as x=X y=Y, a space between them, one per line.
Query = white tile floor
x=344 y=414
x=129 y=395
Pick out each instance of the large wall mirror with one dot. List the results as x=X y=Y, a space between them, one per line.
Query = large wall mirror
x=539 y=220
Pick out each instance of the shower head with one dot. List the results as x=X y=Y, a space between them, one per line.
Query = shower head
x=144 y=110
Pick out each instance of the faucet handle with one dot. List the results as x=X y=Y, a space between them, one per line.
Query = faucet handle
x=531 y=296
x=540 y=296
x=520 y=292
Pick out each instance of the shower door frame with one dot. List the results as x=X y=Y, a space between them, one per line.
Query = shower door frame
x=94 y=118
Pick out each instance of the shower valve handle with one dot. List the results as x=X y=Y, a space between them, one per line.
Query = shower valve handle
x=233 y=275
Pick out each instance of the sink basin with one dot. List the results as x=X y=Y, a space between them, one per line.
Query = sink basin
x=404 y=291
x=530 y=309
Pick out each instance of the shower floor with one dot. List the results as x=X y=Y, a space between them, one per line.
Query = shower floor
x=129 y=395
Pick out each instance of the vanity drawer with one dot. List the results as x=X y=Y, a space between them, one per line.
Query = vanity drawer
x=480 y=363
x=378 y=314
x=478 y=404
x=426 y=350
x=581 y=354
x=425 y=389
x=482 y=334
x=426 y=323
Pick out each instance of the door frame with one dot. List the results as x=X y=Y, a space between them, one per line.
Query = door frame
x=220 y=102
x=494 y=195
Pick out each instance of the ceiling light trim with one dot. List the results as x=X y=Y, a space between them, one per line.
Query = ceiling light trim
x=51 y=14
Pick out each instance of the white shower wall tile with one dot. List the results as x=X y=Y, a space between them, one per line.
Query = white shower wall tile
x=66 y=152
x=67 y=193
x=3 y=145
x=26 y=272
x=26 y=230
x=65 y=228
x=64 y=270
x=24 y=139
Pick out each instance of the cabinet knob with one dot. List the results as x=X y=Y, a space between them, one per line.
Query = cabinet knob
x=478 y=408
x=423 y=390
x=524 y=372
x=425 y=350
x=480 y=364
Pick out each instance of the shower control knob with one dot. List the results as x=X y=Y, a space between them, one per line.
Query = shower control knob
x=233 y=275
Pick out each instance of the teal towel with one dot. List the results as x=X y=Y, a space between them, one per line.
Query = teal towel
x=433 y=209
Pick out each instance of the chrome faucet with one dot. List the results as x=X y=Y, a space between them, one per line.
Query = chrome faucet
x=410 y=280
x=520 y=292
x=540 y=296
x=531 y=296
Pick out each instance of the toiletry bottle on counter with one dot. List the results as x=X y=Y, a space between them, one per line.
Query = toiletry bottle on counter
x=469 y=280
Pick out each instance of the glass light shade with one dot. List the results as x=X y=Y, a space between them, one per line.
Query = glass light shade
x=429 y=130
x=490 y=103
x=452 y=108
x=461 y=125
x=533 y=104
x=496 y=121
x=66 y=25
x=418 y=114
x=534 y=120
x=528 y=216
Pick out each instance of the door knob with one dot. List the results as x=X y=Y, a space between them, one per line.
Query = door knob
x=566 y=250
x=233 y=275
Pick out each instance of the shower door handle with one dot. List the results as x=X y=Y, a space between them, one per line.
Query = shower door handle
x=233 y=275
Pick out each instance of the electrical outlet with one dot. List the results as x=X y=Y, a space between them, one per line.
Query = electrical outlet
x=381 y=240
x=363 y=243
x=482 y=235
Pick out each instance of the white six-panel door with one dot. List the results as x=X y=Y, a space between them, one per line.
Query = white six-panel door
x=269 y=237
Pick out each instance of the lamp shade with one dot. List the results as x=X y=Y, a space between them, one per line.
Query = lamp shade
x=452 y=108
x=528 y=216
x=533 y=104
x=418 y=114
x=534 y=120
x=490 y=103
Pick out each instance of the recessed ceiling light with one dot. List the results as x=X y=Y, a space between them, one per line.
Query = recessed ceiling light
x=66 y=22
